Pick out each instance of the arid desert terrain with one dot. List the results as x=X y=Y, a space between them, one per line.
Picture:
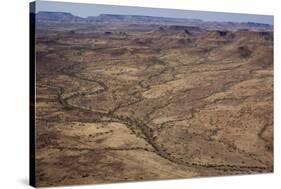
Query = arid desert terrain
x=131 y=98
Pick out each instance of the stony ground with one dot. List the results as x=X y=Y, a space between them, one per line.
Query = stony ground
x=128 y=103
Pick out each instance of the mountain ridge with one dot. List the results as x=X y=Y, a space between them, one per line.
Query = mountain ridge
x=48 y=16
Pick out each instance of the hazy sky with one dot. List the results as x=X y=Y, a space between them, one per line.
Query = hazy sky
x=85 y=10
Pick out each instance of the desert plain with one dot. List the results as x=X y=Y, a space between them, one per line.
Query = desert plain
x=129 y=99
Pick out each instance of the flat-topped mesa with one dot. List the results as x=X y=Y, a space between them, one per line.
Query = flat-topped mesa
x=57 y=17
x=142 y=18
x=139 y=19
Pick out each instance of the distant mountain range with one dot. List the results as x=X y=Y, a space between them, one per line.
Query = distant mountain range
x=141 y=19
x=136 y=19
